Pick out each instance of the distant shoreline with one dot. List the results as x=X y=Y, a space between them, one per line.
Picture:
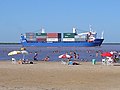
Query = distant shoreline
x=10 y=43
x=110 y=43
x=7 y=43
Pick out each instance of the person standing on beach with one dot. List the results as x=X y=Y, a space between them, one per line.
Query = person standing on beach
x=78 y=56
x=75 y=55
x=96 y=53
x=35 y=56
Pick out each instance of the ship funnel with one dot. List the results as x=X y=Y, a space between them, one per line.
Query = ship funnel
x=43 y=30
x=74 y=30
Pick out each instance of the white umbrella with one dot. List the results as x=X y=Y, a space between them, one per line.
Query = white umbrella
x=24 y=52
x=14 y=53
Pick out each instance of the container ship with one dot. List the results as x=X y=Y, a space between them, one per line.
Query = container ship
x=86 y=39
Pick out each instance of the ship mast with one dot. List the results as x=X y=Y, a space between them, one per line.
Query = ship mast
x=90 y=27
x=102 y=35
x=42 y=30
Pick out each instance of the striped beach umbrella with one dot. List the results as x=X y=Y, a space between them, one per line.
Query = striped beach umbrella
x=106 y=54
x=14 y=53
x=23 y=52
x=64 y=56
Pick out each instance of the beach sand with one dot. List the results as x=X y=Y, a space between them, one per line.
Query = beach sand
x=56 y=76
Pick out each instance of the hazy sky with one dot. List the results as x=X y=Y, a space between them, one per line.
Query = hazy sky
x=21 y=16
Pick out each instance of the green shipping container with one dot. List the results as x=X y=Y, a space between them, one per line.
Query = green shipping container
x=41 y=34
x=68 y=35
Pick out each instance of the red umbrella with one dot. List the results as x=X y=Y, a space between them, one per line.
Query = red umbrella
x=106 y=54
x=64 y=56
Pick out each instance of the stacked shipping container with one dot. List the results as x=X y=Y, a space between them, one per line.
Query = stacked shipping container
x=68 y=37
x=41 y=37
x=30 y=36
x=55 y=37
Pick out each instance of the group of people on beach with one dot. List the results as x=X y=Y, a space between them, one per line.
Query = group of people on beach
x=74 y=56
x=14 y=61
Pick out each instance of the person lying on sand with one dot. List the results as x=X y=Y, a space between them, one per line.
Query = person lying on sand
x=73 y=63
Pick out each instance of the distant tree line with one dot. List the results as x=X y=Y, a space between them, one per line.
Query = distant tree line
x=10 y=43
x=111 y=44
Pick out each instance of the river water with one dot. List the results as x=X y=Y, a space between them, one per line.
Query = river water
x=85 y=53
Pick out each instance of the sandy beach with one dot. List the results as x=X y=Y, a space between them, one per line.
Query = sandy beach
x=56 y=76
